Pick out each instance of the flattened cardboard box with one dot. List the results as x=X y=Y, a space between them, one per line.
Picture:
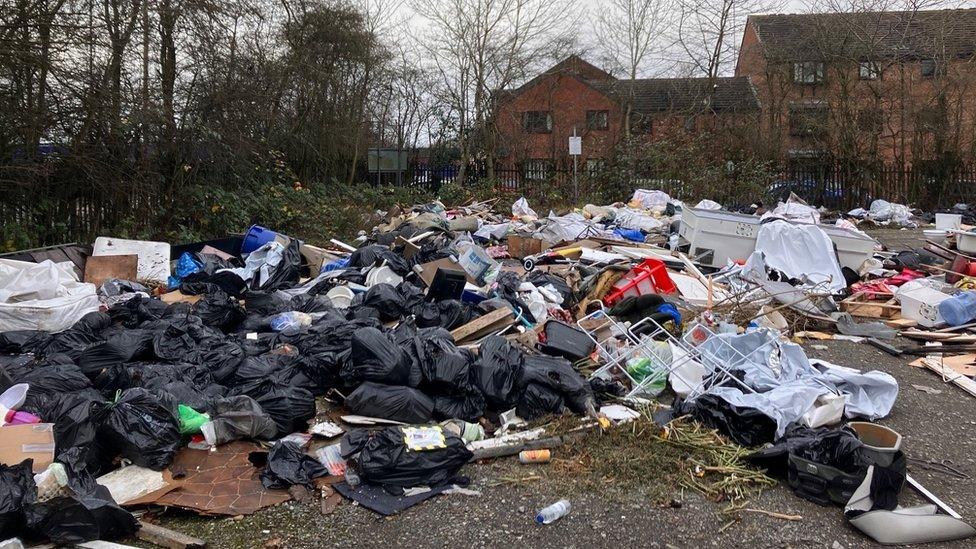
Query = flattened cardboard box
x=35 y=441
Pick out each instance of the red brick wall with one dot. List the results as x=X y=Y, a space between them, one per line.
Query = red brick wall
x=900 y=94
x=568 y=99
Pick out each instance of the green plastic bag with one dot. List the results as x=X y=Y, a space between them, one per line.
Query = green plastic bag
x=191 y=420
x=651 y=365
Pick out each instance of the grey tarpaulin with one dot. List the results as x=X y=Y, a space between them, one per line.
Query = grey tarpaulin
x=786 y=382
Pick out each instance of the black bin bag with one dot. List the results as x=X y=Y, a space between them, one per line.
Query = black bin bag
x=142 y=428
x=391 y=402
x=89 y=514
x=17 y=489
x=289 y=407
x=377 y=357
x=496 y=373
x=383 y=457
x=539 y=401
x=289 y=465
x=558 y=374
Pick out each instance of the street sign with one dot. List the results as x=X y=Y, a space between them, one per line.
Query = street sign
x=575 y=146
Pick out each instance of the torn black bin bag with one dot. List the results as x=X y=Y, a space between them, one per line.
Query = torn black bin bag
x=285 y=274
x=539 y=401
x=507 y=285
x=119 y=348
x=383 y=457
x=237 y=417
x=367 y=256
x=289 y=407
x=468 y=406
x=377 y=357
x=289 y=465
x=745 y=426
x=541 y=278
x=143 y=428
x=838 y=448
x=391 y=402
x=496 y=373
x=17 y=490
x=558 y=374
x=89 y=514
x=219 y=310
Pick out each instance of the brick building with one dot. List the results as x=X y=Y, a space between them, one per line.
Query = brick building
x=534 y=122
x=867 y=87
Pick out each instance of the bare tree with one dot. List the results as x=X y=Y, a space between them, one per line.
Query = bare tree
x=479 y=47
x=707 y=33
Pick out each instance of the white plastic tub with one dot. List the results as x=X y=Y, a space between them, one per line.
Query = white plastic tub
x=921 y=304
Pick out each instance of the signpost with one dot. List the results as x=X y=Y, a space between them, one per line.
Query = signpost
x=575 y=150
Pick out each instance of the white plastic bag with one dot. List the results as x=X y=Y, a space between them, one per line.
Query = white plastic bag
x=521 y=208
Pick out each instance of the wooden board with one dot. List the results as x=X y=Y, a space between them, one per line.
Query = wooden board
x=177 y=296
x=963 y=364
x=100 y=268
x=858 y=305
x=901 y=323
x=491 y=322
x=164 y=537
x=951 y=375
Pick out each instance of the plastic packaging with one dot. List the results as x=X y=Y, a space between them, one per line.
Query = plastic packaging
x=331 y=457
x=291 y=322
x=554 y=512
x=12 y=399
x=959 y=309
x=535 y=456
x=51 y=481
x=191 y=420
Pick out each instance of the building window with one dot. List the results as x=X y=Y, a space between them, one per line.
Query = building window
x=595 y=165
x=931 y=68
x=537 y=169
x=537 y=121
x=808 y=119
x=869 y=70
x=808 y=72
x=597 y=120
x=641 y=124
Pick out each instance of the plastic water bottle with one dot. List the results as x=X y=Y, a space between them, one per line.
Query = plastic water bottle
x=553 y=512
x=959 y=309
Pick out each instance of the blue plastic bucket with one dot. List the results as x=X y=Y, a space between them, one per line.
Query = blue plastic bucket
x=256 y=237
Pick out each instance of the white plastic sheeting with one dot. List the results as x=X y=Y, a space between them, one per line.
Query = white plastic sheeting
x=787 y=383
x=707 y=204
x=633 y=219
x=801 y=250
x=43 y=296
x=795 y=210
x=260 y=263
x=521 y=208
x=570 y=227
x=651 y=200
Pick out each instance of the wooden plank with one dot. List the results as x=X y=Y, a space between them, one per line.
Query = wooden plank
x=100 y=268
x=901 y=323
x=492 y=321
x=164 y=537
x=951 y=375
